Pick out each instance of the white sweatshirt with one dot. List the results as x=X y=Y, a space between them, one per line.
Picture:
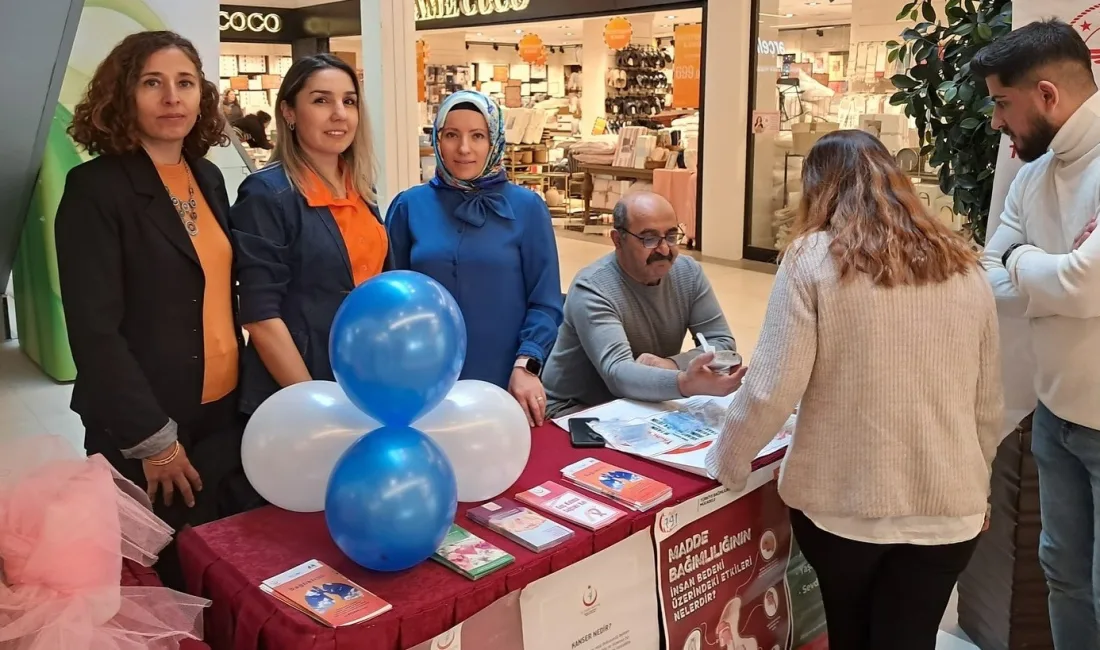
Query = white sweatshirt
x=1058 y=289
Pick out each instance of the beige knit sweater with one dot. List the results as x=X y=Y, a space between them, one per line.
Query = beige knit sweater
x=900 y=393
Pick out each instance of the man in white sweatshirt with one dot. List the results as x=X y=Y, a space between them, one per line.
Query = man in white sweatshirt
x=1044 y=265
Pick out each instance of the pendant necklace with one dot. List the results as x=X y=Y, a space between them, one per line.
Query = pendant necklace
x=186 y=210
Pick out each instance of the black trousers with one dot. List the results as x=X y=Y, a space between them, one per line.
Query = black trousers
x=212 y=440
x=881 y=596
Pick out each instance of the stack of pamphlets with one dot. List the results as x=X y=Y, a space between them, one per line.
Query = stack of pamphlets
x=628 y=488
x=679 y=433
x=567 y=504
x=470 y=555
x=319 y=591
x=525 y=527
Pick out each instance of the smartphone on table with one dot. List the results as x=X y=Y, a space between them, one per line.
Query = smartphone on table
x=581 y=434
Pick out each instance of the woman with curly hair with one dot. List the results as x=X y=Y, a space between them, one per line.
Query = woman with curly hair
x=145 y=265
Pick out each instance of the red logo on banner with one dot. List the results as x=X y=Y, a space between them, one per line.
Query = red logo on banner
x=590 y=597
x=1087 y=27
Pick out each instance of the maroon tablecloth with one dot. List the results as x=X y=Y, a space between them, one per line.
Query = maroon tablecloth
x=135 y=575
x=225 y=561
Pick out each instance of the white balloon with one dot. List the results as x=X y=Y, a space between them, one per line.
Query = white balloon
x=292 y=442
x=485 y=435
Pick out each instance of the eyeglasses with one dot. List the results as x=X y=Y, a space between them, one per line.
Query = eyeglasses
x=653 y=241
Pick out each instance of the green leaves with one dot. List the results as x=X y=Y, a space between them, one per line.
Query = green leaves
x=951 y=108
x=904 y=82
x=928 y=11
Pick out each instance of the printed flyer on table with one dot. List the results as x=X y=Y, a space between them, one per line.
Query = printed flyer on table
x=603 y=602
x=722 y=568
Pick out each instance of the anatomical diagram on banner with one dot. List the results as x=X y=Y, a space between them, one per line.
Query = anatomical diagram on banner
x=722 y=567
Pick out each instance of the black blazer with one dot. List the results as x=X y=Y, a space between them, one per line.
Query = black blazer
x=292 y=264
x=132 y=289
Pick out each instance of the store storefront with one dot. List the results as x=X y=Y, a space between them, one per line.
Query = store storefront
x=258 y=45
x=604 y=98
x=818 y=69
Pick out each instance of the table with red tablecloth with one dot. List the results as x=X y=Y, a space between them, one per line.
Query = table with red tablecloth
x=226 y=561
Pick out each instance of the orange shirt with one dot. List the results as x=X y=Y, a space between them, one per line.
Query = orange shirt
x=364 y=236
x=219 y=336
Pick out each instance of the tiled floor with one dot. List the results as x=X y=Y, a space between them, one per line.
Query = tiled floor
x=30 y=403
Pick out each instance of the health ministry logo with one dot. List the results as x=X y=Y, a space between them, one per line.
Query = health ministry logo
x=1088 y=24
x=589 y=597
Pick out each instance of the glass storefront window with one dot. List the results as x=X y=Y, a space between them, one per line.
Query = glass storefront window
x=800 y=79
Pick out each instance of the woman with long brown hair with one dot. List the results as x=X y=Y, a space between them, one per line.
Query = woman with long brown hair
x=882 y=331
x=145 y=265
x=306 y=227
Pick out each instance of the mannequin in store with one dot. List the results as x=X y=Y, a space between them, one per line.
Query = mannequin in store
x=899 y=403
x=491 y=244
x=293 y=271
x=146 y=276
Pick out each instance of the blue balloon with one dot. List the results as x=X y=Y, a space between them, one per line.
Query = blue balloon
x=391 y=499
x=397 y=346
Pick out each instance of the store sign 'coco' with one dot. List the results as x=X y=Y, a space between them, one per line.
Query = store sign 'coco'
x=439 y=9
x=239 y=21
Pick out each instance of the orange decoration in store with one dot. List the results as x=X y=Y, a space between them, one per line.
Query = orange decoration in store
x=421 y=71
x=687 y=66
x=617 y=33
x=531 y=48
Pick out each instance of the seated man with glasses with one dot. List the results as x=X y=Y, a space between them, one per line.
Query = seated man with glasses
x=626 y=317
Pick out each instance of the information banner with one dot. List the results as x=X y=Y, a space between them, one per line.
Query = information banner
x=1020 y=396
x=687 y=66
x=604 y=602
x=723 y=562
x=496 y=626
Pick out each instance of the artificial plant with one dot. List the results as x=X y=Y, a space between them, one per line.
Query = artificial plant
x=951 y=107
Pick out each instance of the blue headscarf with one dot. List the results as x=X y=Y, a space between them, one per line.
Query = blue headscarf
x=477 y=204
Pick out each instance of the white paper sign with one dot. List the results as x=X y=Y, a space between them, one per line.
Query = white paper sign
x=607 y=601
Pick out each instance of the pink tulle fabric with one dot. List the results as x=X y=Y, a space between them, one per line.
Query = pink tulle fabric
x=66 y=523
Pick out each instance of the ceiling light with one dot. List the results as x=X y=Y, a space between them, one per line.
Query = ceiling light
x=788 y=15
x=519 y=31
x=812 y=4
x=671 y=17
x=480 y=34
x=568 y=33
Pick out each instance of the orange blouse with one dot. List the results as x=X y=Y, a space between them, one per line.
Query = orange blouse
x=216 y=257
x=364 y=235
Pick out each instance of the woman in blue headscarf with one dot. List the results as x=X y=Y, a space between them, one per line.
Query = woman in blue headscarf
x=491 y=243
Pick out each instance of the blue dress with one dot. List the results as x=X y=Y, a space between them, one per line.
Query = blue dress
x=500 y=264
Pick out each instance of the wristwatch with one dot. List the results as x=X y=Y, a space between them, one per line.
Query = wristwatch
x=1008 y=253
x=533 y=366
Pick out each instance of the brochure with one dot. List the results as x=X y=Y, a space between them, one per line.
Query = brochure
x=321 y=592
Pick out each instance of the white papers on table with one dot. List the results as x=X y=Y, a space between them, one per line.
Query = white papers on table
x=677 y=433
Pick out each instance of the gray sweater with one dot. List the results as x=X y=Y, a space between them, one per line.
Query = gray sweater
x=610 y=320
